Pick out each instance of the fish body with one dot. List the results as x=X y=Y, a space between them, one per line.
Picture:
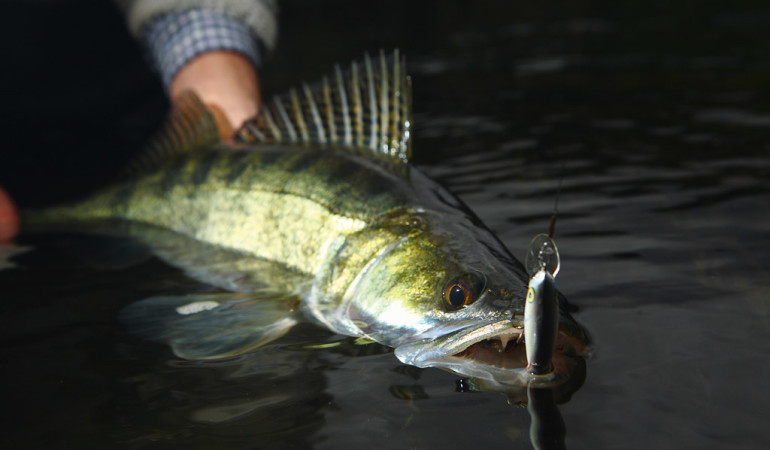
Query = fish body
x=316 y=202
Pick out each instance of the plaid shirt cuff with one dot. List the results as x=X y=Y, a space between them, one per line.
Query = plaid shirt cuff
x=174 y=39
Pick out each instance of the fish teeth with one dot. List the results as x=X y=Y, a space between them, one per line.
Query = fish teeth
x=506 y=338
x=503 y=342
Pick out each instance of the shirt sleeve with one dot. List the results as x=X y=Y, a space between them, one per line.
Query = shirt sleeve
x=175 y=38
x=260 y=16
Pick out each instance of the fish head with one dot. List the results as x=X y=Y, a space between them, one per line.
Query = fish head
x=446 y=293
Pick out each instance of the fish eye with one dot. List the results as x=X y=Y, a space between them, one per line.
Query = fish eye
x=461 y=292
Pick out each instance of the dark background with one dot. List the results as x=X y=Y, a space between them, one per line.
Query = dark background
x=78 y=99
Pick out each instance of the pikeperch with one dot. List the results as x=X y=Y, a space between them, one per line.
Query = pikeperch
x=316 y=213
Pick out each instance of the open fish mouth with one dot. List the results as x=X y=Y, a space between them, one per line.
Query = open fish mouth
x=494 y=352
x=468 y=341
x=506 y=351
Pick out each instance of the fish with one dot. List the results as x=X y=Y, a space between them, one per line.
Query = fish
x=315 y=213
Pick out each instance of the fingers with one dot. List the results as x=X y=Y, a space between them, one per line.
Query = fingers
x=9 y=217
x=226 y=82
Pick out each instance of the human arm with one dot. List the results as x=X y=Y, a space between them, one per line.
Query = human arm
x=211 y=48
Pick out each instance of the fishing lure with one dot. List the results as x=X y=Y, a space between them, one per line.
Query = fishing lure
x=541 y=310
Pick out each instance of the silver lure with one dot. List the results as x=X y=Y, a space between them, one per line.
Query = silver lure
x=541 y=311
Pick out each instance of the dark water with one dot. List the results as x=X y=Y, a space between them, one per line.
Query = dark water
x=656 y=114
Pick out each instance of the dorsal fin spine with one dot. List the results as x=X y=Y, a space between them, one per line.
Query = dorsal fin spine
x=344 y=106
x=327 y=93
x=384 y=108
x=255 y=131
x=372 y=103
x=286 y=121
x=359 y=107
x=395 y=122
x=271 y=124
x=319 y=128
x=406 y=111
x=298 y=116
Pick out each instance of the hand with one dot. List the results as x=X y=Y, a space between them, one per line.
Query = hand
x=9 y=217
x=226 y=82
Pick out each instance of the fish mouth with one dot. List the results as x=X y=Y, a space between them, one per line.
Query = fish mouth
x=506 y=351
x=494 y=352
x=487 y=344
x=510 y=353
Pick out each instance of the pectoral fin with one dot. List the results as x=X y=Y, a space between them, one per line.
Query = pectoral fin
x=211 y=326
x=7 y=252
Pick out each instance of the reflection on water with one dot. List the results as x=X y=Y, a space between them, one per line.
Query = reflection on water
x=307 y=389
x=658 y=114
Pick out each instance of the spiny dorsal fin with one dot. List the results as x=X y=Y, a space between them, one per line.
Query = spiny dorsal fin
x=190 y=125
x=366 y=107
